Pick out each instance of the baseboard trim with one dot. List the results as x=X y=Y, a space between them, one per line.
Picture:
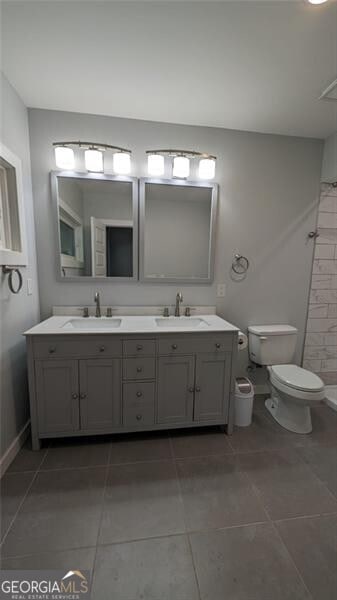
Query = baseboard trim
x=262 y=388
x=14 y=448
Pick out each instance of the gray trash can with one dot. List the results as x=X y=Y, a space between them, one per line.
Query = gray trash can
x=244 y=399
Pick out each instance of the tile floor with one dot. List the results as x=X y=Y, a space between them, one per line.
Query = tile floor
x=194 y=515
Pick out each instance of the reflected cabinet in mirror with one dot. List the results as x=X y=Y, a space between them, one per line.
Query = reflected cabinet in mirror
x=177 y=229
x=97 y=225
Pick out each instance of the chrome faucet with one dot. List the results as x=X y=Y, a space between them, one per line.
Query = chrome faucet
x=98 y=304
x=179 y=299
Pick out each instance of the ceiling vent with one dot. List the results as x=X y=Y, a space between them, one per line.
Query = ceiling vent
x=330 y=93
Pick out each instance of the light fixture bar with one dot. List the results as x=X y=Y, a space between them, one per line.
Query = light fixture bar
x=177 y=152
x=91 y=145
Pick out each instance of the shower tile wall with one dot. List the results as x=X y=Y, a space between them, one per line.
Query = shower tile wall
x=320 y=351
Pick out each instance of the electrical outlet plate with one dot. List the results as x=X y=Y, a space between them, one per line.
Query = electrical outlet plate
x=220 y=290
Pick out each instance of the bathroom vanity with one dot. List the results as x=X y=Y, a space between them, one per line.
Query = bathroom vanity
x=90 y=376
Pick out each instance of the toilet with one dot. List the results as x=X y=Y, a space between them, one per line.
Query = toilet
x=293 y=390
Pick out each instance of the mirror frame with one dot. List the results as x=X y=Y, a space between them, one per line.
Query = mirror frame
x=54 y=175
x=211 y=254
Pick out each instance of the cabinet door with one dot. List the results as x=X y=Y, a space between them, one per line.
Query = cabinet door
x=57 y=395
x=212 y=387
x=100 y=394
x=175 y=389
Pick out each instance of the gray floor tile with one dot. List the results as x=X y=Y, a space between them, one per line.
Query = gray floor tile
x=141 y=500
x=60 y=511
x=82 y=558
x=216 y=494
x=323 y=461
x=13 y=488
x=77 y=452
x=157 y=569
x=140 y=448
x=195 y=442
x=263 y=434
x=245 y=563
x=324 y=428
x=286 y=485
x=312 y=543
x=27 y=459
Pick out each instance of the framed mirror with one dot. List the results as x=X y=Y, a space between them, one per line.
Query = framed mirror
x=96 y=219
x=177 y=229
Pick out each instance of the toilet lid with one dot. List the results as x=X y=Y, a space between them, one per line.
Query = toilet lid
x=297 y=378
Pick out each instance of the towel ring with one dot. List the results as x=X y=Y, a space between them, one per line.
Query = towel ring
x=9 y=271
x=240 y=264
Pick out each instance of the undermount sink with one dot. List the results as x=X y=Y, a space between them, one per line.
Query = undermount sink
x=93 y=323
x=184 y=323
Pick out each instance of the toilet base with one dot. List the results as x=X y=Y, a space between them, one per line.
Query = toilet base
x=290 y=415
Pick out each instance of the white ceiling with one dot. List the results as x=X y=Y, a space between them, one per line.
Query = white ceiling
x=257 y=66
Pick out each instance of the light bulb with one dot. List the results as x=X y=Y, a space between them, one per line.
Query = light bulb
x=155 y=164
x=122 y=163
x=317 y=1
x=181 y=167
x=64 y=157
x=206 y=168
x=93 y=160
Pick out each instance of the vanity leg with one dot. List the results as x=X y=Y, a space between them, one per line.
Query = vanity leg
x=36 y=444
x=229 y=429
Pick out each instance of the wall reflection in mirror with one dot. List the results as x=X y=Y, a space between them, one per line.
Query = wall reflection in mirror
x=97 y=226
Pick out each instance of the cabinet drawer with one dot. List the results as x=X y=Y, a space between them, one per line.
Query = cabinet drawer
x=139 y=347
x=138 y=404
x=54 y=348
x=177 y=345
x=139 y=368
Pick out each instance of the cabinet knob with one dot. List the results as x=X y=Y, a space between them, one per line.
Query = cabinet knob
x=191 y=389
x=74 y=396
x=82 y=396
x=139 y=347
x=197 y=389
x=217 y=345
x=52 y=349
x=139 y=394
x=138 y=417
x=101 y=348
x=139 y=369
x=174 y=346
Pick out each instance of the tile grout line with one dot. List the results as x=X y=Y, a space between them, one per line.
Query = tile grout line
x=270 y=520
x=19 y=508
x=100 y=517
x=185 y=525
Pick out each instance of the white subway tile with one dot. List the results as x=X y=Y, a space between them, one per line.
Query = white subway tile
x=318 y=311
x=327 y=220
x=325 y=251
x=329 y=365
x=321 y=352
x=324 y=282
x=321 y=339
x=332 y=311
x=327 y=236
x=328 y=204
x=312 y=365
x=325 y=266
x=322 y=325
x=323 y=296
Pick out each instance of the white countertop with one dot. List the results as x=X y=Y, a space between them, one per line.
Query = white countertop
x=63 y=325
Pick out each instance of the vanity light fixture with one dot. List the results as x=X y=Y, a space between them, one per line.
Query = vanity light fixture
x=93 y=156
x=181 y=167
x=155 y=164
x=122 y=163
x=64 y=157
x=317 y=1
x=206 y=168
x=93 y=160
x=181 y=163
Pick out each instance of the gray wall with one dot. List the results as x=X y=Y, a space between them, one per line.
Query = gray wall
x=329 y=167
x=20 y=312
x=268 y=199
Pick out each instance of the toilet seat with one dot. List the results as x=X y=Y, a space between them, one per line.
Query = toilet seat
x=297 y=378
x=298 y=383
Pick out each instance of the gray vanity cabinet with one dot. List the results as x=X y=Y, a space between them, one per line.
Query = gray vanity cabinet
x=57 y=396
x=212 y=386
x=100 y=394
x=175 y=389
x=91 y=384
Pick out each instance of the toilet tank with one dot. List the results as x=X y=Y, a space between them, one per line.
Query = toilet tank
x=272 y=344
